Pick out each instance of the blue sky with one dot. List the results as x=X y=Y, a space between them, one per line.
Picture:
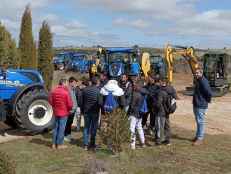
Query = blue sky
x=198 y=23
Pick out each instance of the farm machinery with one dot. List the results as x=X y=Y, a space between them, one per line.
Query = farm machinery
x=24 y=100
x=116 y=61
x=216 y=67
x=61 y=60
x=79 y=62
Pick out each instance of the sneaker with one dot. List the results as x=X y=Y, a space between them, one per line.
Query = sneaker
x=143 y=145
x=62 y=146
x=166 y=142
x=158 y=143
x=67 y=138
x=133 y=146
x=194 y=139
x=85 y=147
x=198 y=142
x=53 y=146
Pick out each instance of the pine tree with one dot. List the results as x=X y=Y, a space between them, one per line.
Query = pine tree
x=45 y=54
x=26 y=40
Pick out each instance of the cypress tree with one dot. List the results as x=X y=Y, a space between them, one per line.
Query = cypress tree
x=3 y=45
x=45 y=54
x=26 y=40
x=13 y=57
x=8 y=49
x=34 y=56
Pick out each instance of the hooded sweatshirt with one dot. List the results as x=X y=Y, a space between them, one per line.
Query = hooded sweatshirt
x=113 y=87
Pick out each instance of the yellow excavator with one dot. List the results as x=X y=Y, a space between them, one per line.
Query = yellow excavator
x=216 y=67
x=171 y=52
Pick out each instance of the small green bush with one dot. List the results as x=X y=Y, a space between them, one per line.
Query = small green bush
x=115 y=129
x=7 y=166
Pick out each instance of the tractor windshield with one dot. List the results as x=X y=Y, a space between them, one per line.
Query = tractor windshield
x=118 y=57
x=155 y=59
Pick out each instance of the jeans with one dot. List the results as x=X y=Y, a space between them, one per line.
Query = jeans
x=135 y=124
x=58 y=131
x=159 y=128
x=200 y=122
x=90 y=128
x=167 y=129
x=69 y=124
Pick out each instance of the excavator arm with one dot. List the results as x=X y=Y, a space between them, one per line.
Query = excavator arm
x=187 y=52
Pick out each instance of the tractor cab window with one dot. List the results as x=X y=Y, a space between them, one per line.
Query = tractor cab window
x=134 y=58
x=118 y=57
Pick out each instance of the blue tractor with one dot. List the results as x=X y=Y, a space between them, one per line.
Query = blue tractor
x=117 y=61
x=61 y=60
x=24 y=100
x=78 y=62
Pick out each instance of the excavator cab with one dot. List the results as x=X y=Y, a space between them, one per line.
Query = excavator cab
x=217 y=69
x=158 y=65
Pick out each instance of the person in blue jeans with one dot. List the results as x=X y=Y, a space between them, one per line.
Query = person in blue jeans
x=91 y=103
x=201 y=97
x=61 y=103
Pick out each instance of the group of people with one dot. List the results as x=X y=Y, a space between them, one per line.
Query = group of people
x=140 y=99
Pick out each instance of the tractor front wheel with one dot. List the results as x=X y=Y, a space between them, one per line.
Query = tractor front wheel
x=34 y=111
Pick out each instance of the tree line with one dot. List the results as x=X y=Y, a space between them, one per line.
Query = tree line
x=29 y=54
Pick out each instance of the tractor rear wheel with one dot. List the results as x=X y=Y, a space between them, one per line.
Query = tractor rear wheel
x=34 y=111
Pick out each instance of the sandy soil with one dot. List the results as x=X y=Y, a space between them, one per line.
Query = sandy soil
x=218 y=118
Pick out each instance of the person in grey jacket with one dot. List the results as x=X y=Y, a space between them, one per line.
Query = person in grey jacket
x=72 y=90
x=201 y=97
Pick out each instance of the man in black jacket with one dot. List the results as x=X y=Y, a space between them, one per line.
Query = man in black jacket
x=91 y=103
x=170 y=90
x=126 y=85
x=202 y=96
x=153 y=88
x=160 y=117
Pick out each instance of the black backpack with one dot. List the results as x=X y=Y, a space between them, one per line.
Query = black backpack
x=170 y=105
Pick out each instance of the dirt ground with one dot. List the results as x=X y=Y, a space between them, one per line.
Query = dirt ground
x=218 y=118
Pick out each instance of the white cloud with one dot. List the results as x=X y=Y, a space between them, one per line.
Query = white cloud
x=138 y=23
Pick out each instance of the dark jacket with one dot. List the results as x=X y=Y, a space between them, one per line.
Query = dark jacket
x=127 y=88
x=202 y=93
x=91 y=101
x=161 y=103
x=137 y=100
x=170 y=90
x=153 y=91
x=79 y=96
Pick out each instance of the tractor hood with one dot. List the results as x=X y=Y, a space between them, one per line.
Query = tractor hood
x=13 y=80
